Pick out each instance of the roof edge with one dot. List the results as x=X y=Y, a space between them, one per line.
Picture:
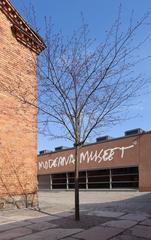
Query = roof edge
x=97 y=143
x=21 y=30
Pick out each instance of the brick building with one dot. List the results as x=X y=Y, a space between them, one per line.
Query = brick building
x=19 y=47
x=120 y=163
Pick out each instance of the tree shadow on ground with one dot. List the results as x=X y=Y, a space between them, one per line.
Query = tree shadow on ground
x=133 y=204
x=25 y=222
x=141 y=203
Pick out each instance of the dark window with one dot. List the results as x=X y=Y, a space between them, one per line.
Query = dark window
x=98 y=185
x=59 y=181
x=97 y=179
x=82 y=180
x=124 y=170
x=98 y=172
x=125 y=177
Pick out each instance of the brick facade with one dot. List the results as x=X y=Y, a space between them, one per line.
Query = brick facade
x=18 y=136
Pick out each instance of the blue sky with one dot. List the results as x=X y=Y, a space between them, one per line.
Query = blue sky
x=99 y=14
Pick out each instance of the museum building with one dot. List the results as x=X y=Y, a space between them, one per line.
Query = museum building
x=109 y=163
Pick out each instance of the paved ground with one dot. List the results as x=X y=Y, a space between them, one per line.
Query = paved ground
x=104 y=215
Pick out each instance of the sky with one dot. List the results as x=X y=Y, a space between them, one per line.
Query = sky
x=99 y=15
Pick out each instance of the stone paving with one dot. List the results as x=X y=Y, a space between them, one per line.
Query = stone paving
x=97 y=221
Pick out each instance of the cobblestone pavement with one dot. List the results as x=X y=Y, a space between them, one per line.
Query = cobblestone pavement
x=104 y=215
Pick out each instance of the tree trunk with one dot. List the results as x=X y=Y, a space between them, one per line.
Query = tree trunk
x=77 y=212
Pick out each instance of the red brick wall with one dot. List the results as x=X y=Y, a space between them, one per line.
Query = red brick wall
x=145 y=163
x=18 y=138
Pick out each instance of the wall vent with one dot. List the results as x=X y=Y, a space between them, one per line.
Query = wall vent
x=44 y=152
x=60 y=148
x=103 y=138
x=134 y=131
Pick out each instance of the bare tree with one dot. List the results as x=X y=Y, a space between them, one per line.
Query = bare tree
x=84 y=86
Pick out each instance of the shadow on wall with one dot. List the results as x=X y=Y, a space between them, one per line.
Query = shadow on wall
x=14 y=182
